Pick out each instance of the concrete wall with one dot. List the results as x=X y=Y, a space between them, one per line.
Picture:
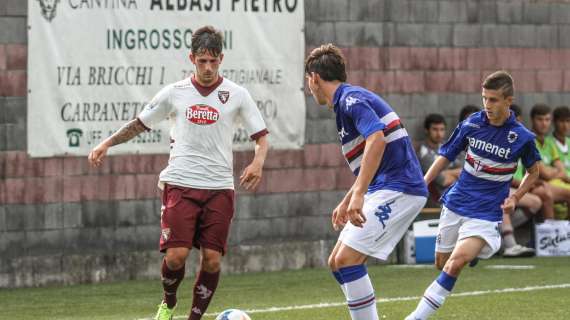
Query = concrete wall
x=62 y=222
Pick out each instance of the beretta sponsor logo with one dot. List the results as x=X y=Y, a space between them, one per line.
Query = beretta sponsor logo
x=202 y=114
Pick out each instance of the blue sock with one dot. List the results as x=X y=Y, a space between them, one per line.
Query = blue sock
x=338 y=276
x=446 y=281
x=434 y=296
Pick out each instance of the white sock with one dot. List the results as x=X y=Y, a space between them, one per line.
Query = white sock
x=433 y=298
x=359 y=293
x=508 y=236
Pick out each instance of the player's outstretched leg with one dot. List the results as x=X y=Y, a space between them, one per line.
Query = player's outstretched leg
x=434 y=296
x=206 y=282
x=353 y=277
x=172 y=274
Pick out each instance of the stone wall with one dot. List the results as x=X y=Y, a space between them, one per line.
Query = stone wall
x=62 y=222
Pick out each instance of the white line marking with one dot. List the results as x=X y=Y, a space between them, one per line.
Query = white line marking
x=509 y=267
x=411 y=266
x=388 y=300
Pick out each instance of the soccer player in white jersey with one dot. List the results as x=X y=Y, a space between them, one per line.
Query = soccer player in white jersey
x=469 y=226
x=389 y=190
x=198 y=195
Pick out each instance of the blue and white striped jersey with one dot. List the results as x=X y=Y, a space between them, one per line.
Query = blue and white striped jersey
x=360 y=113
x=490 y=163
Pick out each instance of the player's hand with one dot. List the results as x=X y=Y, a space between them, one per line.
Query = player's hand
x=340 y=216
x=251 y=176
x=355 y=214
x=97 y=154
x=509 y=204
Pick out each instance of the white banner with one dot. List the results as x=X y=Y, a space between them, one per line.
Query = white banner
x=553 y=238
x=93 y=64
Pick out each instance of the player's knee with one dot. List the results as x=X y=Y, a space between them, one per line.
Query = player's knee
x=341 y=261
x=454 y=265
x=331 y=262
x=211 y=264
x=547 y=196
x=175 y=262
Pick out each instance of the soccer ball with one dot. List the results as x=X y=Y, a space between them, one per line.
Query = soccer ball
x=233 y=314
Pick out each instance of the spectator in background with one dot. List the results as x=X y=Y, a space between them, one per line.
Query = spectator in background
x=468 y=110
x=530 y=203
x=551 y=169
x=465 y=112
x=435 y=127
x=561 y=117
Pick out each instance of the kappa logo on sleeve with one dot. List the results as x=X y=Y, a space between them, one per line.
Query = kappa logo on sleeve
x=351 y=100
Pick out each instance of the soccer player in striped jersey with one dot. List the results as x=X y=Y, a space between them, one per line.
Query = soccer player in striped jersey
x=389 y=190
x=469 y=225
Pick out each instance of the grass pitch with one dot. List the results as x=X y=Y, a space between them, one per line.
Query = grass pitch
x=483 y=292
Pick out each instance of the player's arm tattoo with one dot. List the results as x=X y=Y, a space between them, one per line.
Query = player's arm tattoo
x=128 y=131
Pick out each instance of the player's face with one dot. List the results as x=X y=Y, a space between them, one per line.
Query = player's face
x=496 y=104
x=313 y=83
x=207 y=66
x=541 y=124
x=562 y=127
x=436 y=133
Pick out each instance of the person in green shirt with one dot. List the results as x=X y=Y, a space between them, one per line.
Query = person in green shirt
x=559 y=137
x=551 y=168
x=537 y=200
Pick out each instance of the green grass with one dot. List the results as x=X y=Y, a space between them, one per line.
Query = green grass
x=138 y=299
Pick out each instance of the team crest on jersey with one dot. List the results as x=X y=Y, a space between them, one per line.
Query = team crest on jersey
x=202 y=114
x=223 y=96
x=512 y=137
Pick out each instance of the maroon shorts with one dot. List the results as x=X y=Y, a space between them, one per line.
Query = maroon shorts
x=195 y=217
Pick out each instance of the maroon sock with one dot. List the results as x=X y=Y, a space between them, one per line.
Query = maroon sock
x=204 y=289
x=171 y=279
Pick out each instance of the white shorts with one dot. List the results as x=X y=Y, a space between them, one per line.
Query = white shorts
x=454 y=227
x=388 y=216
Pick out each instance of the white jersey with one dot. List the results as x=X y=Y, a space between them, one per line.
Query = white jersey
x=202 y=132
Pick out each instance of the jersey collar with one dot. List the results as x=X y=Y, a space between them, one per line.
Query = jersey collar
x=205 y=91
x=510 y=120
x=338 y=94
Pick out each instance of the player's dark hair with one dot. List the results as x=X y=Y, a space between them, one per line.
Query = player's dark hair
x=561 y=113
x=328 y=62
x=467 y=110
x=207 y=39
x=539 y=109
x=500 y=80
x=433 y=118
x=516 y=110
